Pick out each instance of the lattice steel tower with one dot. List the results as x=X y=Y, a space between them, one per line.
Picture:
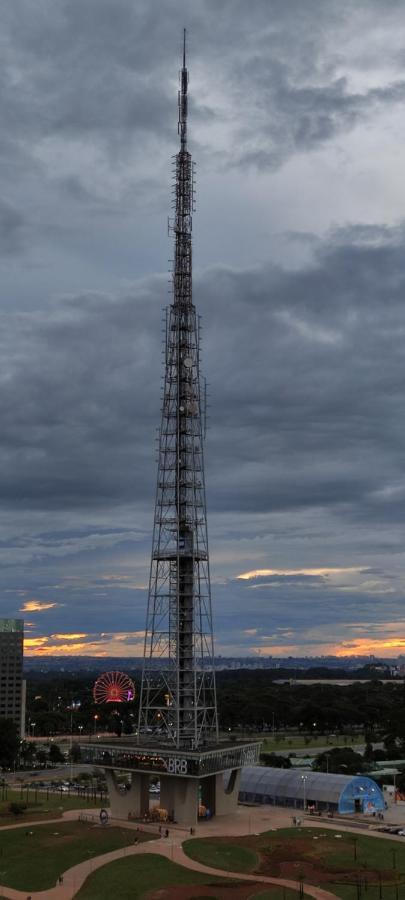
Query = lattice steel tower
x=178 y=682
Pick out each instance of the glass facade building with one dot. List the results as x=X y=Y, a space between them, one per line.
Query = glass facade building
x=11 y=672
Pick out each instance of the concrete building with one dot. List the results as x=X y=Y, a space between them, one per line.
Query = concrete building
x=12 y=688
x=193 y=783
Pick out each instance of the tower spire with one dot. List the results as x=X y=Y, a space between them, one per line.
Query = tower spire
x=178 y=682
x=182 y=100
x=177 y=735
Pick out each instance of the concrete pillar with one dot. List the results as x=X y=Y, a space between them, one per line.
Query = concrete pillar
x=132 y=803
x=226 y=793
x=179 y=796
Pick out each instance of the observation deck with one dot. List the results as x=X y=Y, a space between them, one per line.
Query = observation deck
x=153 y=757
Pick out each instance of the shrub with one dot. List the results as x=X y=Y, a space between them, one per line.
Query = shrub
x=17 y=808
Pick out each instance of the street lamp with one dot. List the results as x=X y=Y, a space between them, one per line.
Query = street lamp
x=96 y=717
x=80 y=728
x=33 y=728
x=304 y=781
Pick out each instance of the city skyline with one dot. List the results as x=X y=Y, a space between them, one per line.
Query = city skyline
x=296 y=127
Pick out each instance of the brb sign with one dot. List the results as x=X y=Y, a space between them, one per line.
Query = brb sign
x=176 y=766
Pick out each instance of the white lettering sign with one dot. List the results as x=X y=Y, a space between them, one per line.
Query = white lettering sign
x=177 y=766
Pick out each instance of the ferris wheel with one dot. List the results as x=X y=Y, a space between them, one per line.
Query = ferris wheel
x=113 y=687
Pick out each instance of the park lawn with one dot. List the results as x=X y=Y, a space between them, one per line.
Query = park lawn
x=307 y=742
x=41 y=807
x=131 y=877
x=324 y=856
x=232 y=857
x=32 y=859
x=353 y=892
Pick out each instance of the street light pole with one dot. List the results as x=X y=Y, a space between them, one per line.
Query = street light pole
x=304 y=781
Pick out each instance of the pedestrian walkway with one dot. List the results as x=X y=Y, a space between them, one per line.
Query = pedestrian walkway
x=247 y=820
x=74 y=878
x=170 y=847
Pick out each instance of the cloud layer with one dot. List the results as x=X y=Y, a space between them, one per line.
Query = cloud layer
x=296 y=123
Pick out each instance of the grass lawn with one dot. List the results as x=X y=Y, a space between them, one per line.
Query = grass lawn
x=343 y=862
x=39 y=807
x=222 y=855
x=139 y=877
x=131 y=878
x=33 y=861
x=298 y=742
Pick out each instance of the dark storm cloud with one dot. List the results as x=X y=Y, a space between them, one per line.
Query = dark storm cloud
x=306 y=376
x=292 y=614
x=314 y=360
x=96 y=78
x=76 y=399
x=306 y=438
x=294 y=118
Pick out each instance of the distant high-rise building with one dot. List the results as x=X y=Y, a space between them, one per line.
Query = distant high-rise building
x=12 y=705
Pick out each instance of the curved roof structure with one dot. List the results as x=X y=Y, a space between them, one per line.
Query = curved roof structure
x=346 y=793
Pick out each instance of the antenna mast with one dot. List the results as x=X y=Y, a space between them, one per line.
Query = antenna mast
x=178 y=698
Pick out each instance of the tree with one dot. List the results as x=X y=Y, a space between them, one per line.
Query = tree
x=278 y=762
x=342 y=760
x=9 y=742
x=75 y=753
x=41 y=757
x=369 y=752
x=27 y=752
x=55 y=754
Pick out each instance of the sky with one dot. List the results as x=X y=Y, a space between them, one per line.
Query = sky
x=297 y=129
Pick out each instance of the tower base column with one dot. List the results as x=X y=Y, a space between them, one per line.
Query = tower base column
x=226 y=794
x=132 y=803
x=179 y=796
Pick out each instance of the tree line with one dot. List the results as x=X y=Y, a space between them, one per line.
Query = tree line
x=247 y=700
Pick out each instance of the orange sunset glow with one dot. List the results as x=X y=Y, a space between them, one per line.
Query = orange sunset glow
x=356 y=647
x=82 y=644
x=36 y=606
x=119 y=644
x=317 y=572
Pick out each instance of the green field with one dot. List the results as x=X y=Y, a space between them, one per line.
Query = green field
x=231 y=857
x=128 y=879
x=347 y=864
x=31 y=859
x=39 y=806
x=309 y=742
x=138 y=876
